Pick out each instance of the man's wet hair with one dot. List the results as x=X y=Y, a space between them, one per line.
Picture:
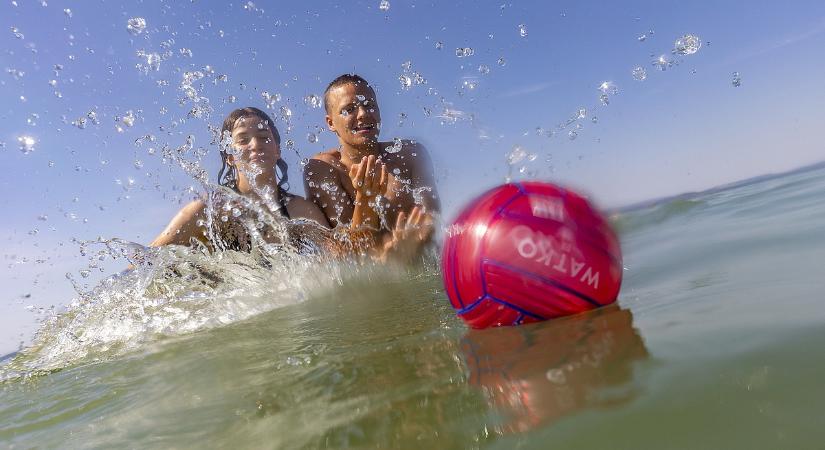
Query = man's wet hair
x=227 y=176
x=347 y=78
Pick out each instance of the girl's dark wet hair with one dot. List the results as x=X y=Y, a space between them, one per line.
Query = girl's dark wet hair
x=227 y=176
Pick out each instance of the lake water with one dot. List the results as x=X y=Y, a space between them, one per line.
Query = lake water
x=716 y=342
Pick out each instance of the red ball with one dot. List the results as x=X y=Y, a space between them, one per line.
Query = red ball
x=527 y=252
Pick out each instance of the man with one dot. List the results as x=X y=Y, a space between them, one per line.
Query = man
x=404 y=167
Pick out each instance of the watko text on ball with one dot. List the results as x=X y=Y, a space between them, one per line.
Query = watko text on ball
x=543 y=249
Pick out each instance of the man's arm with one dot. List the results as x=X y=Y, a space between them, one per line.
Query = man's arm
x=422 y=177
x=323 y=188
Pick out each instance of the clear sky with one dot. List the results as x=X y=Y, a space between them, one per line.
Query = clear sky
x=533 y=66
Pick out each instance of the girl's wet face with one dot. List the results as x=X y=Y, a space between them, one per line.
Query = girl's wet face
x=254 y=143
x=255 y=150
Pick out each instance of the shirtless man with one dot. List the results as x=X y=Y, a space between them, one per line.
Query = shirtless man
x=405 y=209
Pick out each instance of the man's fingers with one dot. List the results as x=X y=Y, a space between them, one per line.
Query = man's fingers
x=370 y=166
x=384 y=181
x=359 y=176
x=400 y=221
x=415 y=217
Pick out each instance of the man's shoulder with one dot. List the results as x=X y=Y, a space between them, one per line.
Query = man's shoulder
x=331 y=156
x=401 y=147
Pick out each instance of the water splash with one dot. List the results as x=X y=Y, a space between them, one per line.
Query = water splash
x=464 y=52
x=639 y=73
x=313 y=101
x=396 y=146
x=662 y=63
x=736 y=81
x=26 y=144
x=136 y=25
x=687 y=45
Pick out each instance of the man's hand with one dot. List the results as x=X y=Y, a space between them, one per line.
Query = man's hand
x=409 y=235
x=370 y=179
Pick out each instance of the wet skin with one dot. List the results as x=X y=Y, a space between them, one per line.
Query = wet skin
x=353 y=114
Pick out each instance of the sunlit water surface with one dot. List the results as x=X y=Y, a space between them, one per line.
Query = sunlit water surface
x=715 y=343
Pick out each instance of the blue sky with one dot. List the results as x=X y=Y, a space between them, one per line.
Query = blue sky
x=686 y=128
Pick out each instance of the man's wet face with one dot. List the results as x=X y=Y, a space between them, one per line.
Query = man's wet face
x=353 y=114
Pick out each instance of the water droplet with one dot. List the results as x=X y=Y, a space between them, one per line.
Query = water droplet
x=136 y=25
x=406 y=82
x=396 y=146
x=17 y=33
x=572 y=135
x=662 y=63
x=687 y=45
x=642 y=37
x=138 y=164
x=68 y=13
x=483 y=69
x=736 y=81
x=312 y=138
x=185 y=52
x=290 y=143
x=42 y=217
x=85 y=273
x=32 y=119
x=286 y=112
x=231 y=99
x=313 y=101
x=439 y=45
x=396 y=171
x=604 y=99
x=501 y=61
x=384 y=5
x=236 y=212
x=51 y=163
x=594 y=119
x=26 y=144
x=581 y=113
x=463 y=52
x=522 y=30
x=516 y=155
x=639 y=73
x=360 y=98
x=609 y=87
x=150 y=61
x=128 y=119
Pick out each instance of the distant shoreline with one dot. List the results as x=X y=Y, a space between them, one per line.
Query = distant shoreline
x=685 y=195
